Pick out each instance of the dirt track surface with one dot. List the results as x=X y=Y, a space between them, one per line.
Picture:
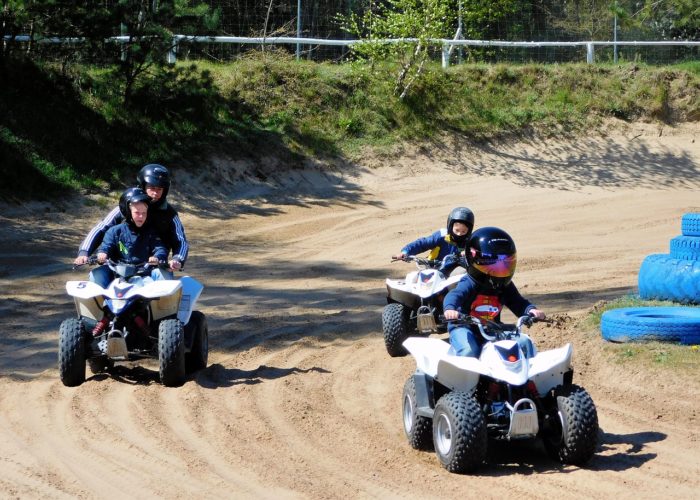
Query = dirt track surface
x=300 y=399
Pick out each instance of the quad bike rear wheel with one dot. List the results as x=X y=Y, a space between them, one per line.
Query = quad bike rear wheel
x=395 y=325
x=71 y=352
x=572 y=435
x=196 y=359
x=459 y=432
x=171 y=352
x=418 y=429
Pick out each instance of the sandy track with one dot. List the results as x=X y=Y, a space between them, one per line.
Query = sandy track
x=300 y=399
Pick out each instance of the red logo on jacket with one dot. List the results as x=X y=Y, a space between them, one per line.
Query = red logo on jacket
x=486 y=307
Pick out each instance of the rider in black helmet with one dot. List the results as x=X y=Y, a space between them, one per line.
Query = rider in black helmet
x=132 y=195
x=154 y=179
x=488 y=287
x=133 y=241
x=155 y=175
x=445 y=244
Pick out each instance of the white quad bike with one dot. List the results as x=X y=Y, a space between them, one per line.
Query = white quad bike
x=134 y=318
x=456 y=404
x=414 y=303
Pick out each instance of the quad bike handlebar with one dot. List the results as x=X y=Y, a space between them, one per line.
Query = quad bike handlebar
x=141 y=267
x=491 y=330
x=420 y=261
x=449 y=260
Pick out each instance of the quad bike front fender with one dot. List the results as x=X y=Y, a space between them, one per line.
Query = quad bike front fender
x=548 y=369
x=191 y=290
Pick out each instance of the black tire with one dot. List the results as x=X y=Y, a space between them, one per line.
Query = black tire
x=459 y=432
x=572 y=434
x=196 y=359
x=644 y=324
x=171 y=352
x=71 y=352
x=418 y=429
x=395 y=325
x=685 y=247
x=690 y=224
x=100 y=364
x=661 y=277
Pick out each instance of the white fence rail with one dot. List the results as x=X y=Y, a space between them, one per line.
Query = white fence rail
x=446 y=44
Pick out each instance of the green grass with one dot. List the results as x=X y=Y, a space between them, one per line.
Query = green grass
x=270 y=104
x=661 y=356
x=658 y=356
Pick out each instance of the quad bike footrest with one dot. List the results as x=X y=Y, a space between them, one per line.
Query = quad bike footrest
x=523 y=421
x=425 y=321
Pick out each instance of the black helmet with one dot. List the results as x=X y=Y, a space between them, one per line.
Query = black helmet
x=131 y=195
x=492 y=257
x=464 y=215
x=156 y=175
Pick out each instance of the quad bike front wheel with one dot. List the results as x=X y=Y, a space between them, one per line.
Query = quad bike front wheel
x=572 y=434
x=459 y=432
x=171 y=352
x=418 y=429
x=71 y=352
x=395 y=325
x=196 y=359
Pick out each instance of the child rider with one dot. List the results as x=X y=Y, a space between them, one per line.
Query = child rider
x=448 y=242
x=132 y=241
x=485 y=289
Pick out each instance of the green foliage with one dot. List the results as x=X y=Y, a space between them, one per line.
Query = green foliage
x=269 y=104
x=657 y=356
x=148 y=27
x=415 y=23
x=479 y=17
x=677 y=19
x=27 y=171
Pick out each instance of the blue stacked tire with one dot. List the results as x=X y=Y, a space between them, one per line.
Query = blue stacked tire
x=662 y=277
x=690 y=224
x=644 y=324
x=685 y=247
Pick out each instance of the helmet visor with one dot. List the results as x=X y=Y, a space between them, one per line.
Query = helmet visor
x=497 y=266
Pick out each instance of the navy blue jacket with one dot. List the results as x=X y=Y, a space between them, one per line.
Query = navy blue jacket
x=469 y=297
x=163 y=218
x=127 y=243
x=440 y=243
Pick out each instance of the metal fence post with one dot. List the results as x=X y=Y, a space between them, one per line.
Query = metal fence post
x=171 y=58
x=445 y=55
x=590 y=56
x=122 y=32
x=298 y=28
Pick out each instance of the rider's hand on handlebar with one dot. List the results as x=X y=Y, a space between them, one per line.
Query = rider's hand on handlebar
x=80 y=260
x=399 y=256
x=175 y=264
x=153 y=260
x=451 y=314
x=537 y=314
x=101 y=257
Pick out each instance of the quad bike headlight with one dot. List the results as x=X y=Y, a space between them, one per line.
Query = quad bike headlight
x=117 y=305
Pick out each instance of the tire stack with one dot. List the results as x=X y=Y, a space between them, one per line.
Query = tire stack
x=675 y=276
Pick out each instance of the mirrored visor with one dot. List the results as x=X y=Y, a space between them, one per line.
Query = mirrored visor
x=498 y=266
